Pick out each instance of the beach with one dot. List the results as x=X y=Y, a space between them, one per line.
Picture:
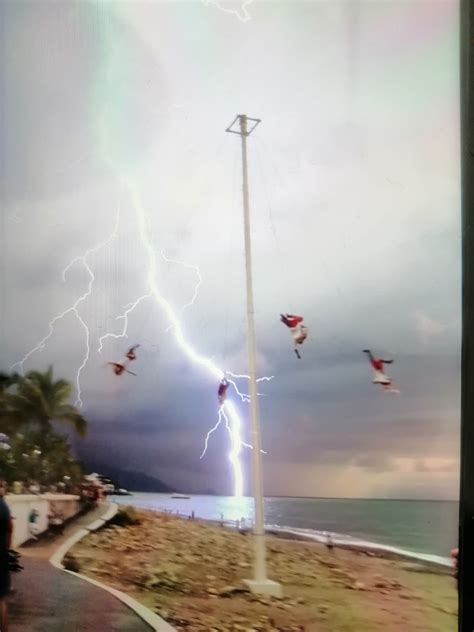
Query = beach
x=191 y=573
x=424 y=530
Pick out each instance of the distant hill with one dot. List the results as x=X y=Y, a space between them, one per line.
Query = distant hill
x=133 y=481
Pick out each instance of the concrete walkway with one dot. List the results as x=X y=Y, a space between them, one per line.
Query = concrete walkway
x=46 y=599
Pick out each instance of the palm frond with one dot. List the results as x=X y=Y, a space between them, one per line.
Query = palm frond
x=70 y=415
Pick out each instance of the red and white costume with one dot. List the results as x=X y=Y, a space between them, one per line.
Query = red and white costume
x=380 y=376
x=298 y=330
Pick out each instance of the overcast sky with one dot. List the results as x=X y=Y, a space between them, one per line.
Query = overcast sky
x=113 y=122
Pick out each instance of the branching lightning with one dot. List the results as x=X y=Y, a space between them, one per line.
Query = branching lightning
x=128 y=309
x=206 y=441
x=196 y=287
x=245 y=397
x=245 y=17
x=74 y=309
x=234 y=439
x=228 y=412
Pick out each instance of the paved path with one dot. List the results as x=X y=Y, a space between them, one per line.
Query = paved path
x=49 y=600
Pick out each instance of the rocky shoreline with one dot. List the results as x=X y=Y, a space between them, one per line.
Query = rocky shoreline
x=413 y=562
x=191 y=573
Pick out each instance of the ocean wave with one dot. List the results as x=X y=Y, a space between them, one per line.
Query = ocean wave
x=347 y=540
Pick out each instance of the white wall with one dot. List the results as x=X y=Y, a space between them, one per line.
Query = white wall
x=21 y=505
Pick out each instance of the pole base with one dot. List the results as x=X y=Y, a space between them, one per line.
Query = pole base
x=264 y=587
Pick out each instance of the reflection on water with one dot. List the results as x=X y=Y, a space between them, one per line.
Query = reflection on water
x=227 y=508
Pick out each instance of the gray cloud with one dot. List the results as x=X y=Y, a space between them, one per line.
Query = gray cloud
x=355 y=208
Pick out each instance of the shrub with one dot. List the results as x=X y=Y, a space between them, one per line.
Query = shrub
x=125 y=517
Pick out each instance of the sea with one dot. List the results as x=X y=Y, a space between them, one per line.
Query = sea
x=424 y=530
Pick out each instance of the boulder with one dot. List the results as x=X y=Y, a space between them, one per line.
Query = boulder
x=228 y=591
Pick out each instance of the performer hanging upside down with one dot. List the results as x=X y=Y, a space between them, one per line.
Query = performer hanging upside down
x=222 y=391
x=379 y=376
x=298 y=330
x=120 y=368
x=131 y=353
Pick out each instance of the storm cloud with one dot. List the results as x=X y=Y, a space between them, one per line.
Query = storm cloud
x=355 y=199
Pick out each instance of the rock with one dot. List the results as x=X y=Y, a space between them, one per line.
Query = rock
x=211 y=591
x=263 y=600
x=227 y=591
x=359 y=586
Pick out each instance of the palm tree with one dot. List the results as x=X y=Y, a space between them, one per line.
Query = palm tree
x=7 y=423
x=7 y=380
x=40 y=400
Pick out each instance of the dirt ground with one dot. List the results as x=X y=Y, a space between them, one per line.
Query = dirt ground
x=191 y=574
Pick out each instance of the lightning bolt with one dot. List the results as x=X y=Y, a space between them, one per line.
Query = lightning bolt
x=245 y=397
x=74 y=309
x=191 y=266
x=228 y=412
x=234 y=439
x=245 y=17
x=128 y=309
x=206 y=441
x=112 y=72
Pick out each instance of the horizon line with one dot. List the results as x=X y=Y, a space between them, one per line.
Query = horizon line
x=434 y=500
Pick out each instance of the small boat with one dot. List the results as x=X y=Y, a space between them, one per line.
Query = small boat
x=121 y=492
x=182 y=496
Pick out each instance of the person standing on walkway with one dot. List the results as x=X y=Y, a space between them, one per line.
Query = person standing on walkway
x=6 y=530
x=33 y=524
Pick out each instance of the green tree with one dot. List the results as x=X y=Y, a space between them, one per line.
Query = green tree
x=8 y=423
x=7 y=380
x=38 y=400
x=30 y=407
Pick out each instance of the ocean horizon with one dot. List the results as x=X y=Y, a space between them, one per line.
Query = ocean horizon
x=420 y=529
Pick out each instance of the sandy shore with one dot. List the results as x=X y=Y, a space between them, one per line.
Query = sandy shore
x=191 y=574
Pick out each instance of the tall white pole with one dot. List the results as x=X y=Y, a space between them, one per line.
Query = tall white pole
x=260 y=573
x=259 y=584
